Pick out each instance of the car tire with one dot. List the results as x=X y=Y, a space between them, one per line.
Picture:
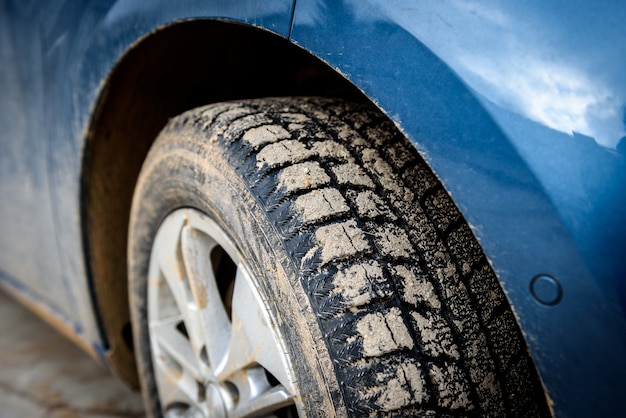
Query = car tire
x=372 y=292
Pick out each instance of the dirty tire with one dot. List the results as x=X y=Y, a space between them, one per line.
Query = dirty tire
x=388 y=305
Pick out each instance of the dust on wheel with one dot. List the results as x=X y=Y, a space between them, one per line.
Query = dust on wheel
x=297 y=257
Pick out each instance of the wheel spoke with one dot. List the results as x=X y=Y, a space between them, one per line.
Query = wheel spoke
x=170 y=266
x=173 y=343
x=212 y=320
x=168 y=247
x=270 y=401
x=175 y=385
x=252 y=340
x=256 y=396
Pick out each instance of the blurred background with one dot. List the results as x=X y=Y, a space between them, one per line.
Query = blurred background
x=42 y=374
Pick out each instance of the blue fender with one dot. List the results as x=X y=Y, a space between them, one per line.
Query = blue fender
x=495 y=100
x=55 y=61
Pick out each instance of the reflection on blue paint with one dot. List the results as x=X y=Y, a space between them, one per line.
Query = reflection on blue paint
x=518 y=56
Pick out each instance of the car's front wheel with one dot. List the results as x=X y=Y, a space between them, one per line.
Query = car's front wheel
x=296 y=257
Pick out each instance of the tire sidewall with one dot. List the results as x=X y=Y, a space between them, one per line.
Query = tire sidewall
x=183 y=171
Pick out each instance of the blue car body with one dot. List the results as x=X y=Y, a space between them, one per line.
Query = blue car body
x=518 y=107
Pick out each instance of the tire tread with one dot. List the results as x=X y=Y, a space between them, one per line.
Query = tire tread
x=412 y=314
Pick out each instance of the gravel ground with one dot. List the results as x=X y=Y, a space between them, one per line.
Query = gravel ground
x=44 y=375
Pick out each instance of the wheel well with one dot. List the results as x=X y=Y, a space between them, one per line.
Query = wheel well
x=174 y=69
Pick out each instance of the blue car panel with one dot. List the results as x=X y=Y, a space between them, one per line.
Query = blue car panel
x=505 y=117
x=60 y=55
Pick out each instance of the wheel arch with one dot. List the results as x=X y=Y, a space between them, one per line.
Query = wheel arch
x=173 y=69
x=473 y=137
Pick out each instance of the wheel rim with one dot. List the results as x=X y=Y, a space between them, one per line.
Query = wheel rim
x=215 y=348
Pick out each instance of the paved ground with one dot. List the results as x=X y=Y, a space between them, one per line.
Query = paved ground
x=44 y=375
